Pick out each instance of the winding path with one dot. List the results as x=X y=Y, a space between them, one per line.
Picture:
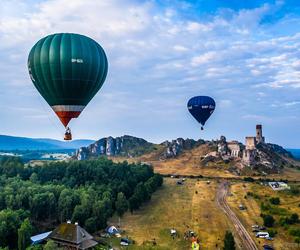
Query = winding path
x=246 y=240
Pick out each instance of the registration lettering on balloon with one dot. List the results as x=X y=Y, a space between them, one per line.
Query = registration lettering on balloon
x=201 y=107
x=75 y=60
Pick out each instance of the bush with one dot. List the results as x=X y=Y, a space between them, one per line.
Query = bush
x=272 y=232
x=265 y=206
x=249 y=179
x=295 y=190
x=295 y=232
x=275 y=200
x=229 y=241
x=293 y=219
x=268 y=220
x=256 y=196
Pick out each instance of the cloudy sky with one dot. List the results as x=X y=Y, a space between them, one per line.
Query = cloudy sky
x=161 y=53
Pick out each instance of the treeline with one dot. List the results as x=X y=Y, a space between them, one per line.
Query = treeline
x=87 y=192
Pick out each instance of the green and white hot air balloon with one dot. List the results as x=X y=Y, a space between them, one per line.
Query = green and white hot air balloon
x=68 y=70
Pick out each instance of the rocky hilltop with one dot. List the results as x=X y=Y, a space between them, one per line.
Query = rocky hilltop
x=255 y=154
x=126 y=145
x=261 y=156
x=130 y=146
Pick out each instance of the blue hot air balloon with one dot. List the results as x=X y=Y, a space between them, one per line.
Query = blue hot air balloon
x=201 y=108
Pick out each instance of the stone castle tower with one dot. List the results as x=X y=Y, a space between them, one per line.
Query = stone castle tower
x=251 y=142
x=259 y=136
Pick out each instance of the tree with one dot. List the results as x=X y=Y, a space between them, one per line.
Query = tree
x=91 y=224
x=51 y=245
x=10 y=221
x=121 y=205
x=294 y=218
x=100 y=214
x=133 y=203
x=34 y=178
x=268 y=220
x=35 y=247
x=66 y=203
x=275 y=200
x=80 y=214
x=229 y=243
x=297 y=240
x=24 y=233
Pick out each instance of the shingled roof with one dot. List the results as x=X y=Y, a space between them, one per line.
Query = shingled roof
x=72 y=234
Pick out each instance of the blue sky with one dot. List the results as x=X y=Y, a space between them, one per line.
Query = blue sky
x=245 y=54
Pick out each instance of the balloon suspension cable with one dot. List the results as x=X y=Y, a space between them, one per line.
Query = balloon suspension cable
x=51 y=122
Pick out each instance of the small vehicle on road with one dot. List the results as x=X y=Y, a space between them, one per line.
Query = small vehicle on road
x=267 y=247
x=262 y=235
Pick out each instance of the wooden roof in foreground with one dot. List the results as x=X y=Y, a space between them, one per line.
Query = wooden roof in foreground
x=72 y=235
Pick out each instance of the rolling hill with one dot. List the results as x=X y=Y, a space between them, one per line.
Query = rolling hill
x=23 y=143
x=295 y=152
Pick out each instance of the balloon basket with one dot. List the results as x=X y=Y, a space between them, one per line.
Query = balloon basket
x=68 y=135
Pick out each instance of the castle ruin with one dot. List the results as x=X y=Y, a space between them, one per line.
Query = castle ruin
x=247 y=153
x=251 y=142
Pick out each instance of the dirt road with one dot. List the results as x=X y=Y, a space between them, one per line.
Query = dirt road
x=245 y=239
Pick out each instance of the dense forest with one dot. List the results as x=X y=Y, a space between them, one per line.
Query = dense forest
x=34 y=199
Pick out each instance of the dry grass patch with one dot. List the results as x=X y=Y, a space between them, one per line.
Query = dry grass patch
x=190 y=206
x=251 y=215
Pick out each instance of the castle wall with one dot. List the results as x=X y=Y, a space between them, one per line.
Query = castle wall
x=234 y=148
x=249 y=157
x=250 y=143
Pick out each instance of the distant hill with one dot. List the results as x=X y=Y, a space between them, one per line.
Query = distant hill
x=294 y=152
x=23 y=143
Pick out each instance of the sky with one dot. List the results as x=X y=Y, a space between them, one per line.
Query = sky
x=244 y=54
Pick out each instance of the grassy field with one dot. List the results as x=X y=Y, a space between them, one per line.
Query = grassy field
x=190 y=206
x=251 y=216
x=188 y=163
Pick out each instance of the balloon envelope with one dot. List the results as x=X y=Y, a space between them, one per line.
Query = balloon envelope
x=201 y=108
x=67 y=70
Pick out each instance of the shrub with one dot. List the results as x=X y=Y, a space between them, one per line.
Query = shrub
x=294 y=218
x=272 y=232
x=275 y=200
x=268 y=220
x=249 y=179
x=295 y=232
x=265 y=206
x=295 y=190
x=229 y=241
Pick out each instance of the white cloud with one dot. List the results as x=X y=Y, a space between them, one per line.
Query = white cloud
x=180 y=48
x=158 y=54
x=207 y=57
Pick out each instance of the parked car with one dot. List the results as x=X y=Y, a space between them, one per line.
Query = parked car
x=125 y=242
x=267 y=247
x=262 y=235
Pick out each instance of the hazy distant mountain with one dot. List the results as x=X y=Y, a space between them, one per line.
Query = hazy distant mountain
x=295 y=152
x=23 y=143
